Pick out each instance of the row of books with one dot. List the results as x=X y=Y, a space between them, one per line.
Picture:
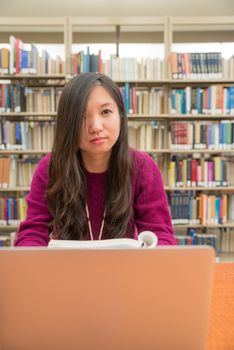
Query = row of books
x=31 y=135
x=202 y=135
x=7 y=241
x=200 y=65
x=12 y=210
x=214 y=99
x=147 y=136
x=39 y=135
x=212 y=172
x=17 y=172
x=17 y=58
x=26 y=59
x=126 y=68
x=198 y=239
x=17 y=97
x=201 y=209
x=12 y=97
x=181 y=135
x=221 y=238
x=143 y=100
x=226 y=240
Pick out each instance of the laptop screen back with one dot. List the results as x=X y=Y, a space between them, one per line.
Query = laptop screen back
x=105 y=299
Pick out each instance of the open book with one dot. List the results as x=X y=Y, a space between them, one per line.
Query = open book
x=146 y=239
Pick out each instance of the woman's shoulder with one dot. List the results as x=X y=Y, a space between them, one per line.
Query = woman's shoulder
x=44 y=163
x=141 y=159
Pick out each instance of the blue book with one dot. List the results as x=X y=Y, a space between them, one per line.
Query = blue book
x=15 y=217
x=231 y=89
x=209 y=98
x=221 y=134
x=87 y=60
x=217 y=210
x=9 y=201
x=173 y=101
x=183 y=96
x=228 y=101
x=18 y=133
x=127 y=93
x=6 y=102
x=199 y=101
x=24 y=59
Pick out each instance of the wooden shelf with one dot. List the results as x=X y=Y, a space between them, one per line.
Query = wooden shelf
x=9 y=227
x=181 y=226
x=131 y=117
x=226 y=257
x=199 y=188
x=16 y=189
x=173 y=82
x=32 y=76
x=144 y=82
x=184 y=117
x=209 y=81
x=6 y=152
x=28 y=114
x=191 y=151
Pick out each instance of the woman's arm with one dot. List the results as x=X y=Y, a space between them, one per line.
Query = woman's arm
x=34 y=231
x=151 y=211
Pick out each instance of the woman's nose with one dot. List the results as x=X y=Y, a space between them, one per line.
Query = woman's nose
x=95 y=125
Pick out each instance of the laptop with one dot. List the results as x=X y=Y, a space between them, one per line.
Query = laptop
x=131 y=299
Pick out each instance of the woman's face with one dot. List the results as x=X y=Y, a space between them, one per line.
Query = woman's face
x=101 y=123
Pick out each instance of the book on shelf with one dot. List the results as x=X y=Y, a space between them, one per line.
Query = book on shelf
x=188 y=207
x=209 y=172
x=210 y=135
x=198 y=239
x=143 y=100
x=221 y=238
x=18 y=97
x=216 y=99
x=27 y=135
x=5 y=241
x=148 y=135
x=20 y=58
x=146 y=239
x=17 y=172
x=200 y=65
x=125 y=68
x=12 y=210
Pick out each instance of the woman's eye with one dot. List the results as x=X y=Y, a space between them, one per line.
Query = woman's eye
x=106 y=111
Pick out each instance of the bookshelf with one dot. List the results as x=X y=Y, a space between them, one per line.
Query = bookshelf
x=193 y=73
x=31 y=118
x=165 y=32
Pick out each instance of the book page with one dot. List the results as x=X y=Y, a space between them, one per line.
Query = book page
x=145 y=239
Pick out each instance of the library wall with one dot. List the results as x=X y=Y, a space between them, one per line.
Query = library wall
x=180 y=110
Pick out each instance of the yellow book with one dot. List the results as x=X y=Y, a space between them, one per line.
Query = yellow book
x=5 y=60
x=171 y=174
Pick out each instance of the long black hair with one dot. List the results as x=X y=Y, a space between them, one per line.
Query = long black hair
x=67 y=189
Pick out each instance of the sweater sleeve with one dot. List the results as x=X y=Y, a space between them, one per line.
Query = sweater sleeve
x=151 y=211
x=34 y=231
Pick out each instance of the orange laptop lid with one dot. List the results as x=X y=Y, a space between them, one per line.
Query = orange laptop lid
x=105 y=299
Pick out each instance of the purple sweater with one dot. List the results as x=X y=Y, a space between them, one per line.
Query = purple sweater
x=149 y=201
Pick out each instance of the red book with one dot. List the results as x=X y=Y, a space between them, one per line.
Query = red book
x=193 y=172
x=17 y=55
x=75 y=66
x=134 y=100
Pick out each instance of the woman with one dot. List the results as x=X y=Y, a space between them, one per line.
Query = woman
x=92 y=186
